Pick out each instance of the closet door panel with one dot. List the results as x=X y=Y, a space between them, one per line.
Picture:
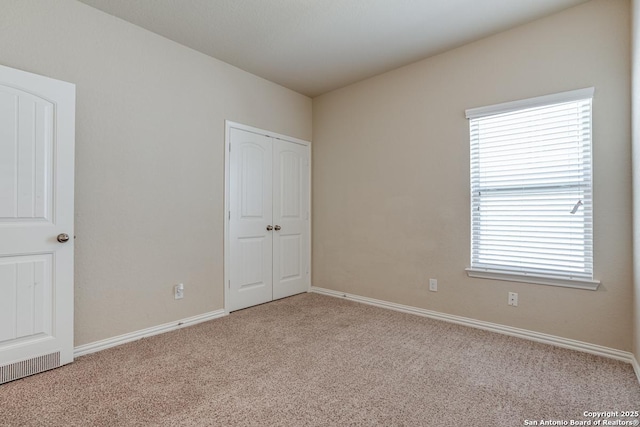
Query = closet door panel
x=291 y=218
x=251 y=214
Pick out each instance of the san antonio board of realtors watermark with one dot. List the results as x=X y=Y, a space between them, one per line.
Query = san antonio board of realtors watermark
x=593 y=418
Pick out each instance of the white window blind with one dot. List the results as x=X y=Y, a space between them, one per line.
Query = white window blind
x=531 y=190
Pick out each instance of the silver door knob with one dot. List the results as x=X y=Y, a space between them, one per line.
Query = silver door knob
x=63 y=237
x=278 y=228
x=269 y=228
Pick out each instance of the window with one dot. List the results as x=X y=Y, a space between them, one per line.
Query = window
x=531 y=203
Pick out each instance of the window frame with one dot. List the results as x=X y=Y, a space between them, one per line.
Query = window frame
x=522 y=276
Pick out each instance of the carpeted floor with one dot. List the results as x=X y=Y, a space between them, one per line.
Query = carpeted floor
x=313 y=360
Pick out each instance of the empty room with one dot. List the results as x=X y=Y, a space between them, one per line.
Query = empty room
x=319 y=212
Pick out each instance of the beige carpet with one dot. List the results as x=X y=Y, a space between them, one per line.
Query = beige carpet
x=313 y=360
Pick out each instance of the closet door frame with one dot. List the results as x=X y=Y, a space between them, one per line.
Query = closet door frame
x=227 y=253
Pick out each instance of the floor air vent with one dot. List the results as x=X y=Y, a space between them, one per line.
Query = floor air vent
x=28 y=367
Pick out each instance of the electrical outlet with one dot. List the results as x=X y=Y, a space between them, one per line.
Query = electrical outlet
x=433 y=285
x=178 y=291
x=513 y=299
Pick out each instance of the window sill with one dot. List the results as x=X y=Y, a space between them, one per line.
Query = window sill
x=590 y=285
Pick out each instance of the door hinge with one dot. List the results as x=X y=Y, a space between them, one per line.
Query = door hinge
x=229 y=284
x=229 y=215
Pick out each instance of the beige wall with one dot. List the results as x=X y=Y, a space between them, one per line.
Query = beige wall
x=635 y=57
x=149 y=158
x=391 y=175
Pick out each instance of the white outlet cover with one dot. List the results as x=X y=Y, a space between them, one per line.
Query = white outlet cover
x=178 y=291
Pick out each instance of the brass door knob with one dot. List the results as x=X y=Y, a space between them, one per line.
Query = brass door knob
x=278 y=228
x=63 y=237
x=269 y=228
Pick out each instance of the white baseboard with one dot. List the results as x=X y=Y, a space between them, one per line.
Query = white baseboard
x=144 y=333
x=636 y=366
x=611 y=353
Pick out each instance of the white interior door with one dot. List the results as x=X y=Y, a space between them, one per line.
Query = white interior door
x=268 y=225
x=250 y=207
x=37 y=128
x=291 y=218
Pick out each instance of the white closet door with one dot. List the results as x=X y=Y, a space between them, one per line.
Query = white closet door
x=268 y=246
x=250 y=206
x=37 y=131
x=291 y=218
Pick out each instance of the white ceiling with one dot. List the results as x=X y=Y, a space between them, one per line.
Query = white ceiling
x=314 y=46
